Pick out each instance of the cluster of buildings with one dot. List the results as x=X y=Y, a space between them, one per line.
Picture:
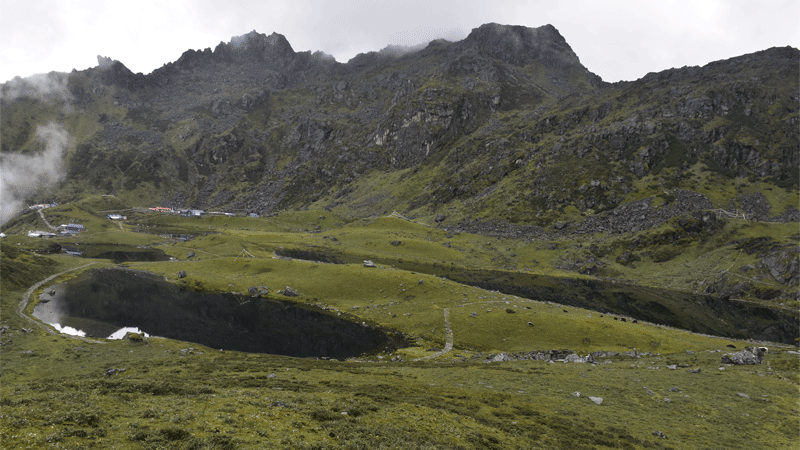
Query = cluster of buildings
x=183 y=212
x=42 y=206
x=192 y=212
x=63 y=230
x=74 y=228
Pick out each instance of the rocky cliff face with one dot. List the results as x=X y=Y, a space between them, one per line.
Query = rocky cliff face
x=504 y=126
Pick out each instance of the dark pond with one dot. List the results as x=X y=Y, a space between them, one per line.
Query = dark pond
x=116 y=253
x=697 y=313
x=101 y=301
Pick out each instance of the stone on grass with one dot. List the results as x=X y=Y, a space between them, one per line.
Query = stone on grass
x=596 y=400
x=575 y=358
x=500 y=357
x=748 y=356
x=289 y=292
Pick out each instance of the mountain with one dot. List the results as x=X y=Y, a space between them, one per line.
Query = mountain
x=504 y=132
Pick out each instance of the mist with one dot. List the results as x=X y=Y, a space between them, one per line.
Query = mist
x=22 y=176
x=48 y=87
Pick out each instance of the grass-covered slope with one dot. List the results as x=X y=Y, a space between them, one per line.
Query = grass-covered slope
x=159 y=393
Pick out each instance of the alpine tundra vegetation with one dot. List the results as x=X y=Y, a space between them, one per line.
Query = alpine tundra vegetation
x=472 y=244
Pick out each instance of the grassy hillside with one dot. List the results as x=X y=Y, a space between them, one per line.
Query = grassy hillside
x=61 y=391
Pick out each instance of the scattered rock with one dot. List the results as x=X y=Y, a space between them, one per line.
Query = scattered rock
x=396 y=243
x=596 y=400
x=28 y=353
x=500 y=357
x=368 y=263
x=510 y=311
x=576 y=394
x=742 y=395
x=289 y=292
x=112 y=371
x=474 y=314
x=748 y=356
x=182 y=274
x=575 y=358
x=257 y=291
x=190 y=255
x=697 y=370
x=659 y=434
x=530 y=324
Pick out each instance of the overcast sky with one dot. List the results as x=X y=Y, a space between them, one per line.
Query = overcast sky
x=618 y=40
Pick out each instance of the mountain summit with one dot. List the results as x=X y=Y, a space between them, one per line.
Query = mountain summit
x=506 y=124
x=503 y=133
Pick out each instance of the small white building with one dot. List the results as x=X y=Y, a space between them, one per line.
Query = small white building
x=73 y=228
x=41 y=234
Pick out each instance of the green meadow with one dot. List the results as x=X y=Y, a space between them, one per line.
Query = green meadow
x=439 y=391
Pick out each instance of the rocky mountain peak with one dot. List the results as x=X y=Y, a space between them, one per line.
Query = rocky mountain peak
x=522 y=45
x=256 y=47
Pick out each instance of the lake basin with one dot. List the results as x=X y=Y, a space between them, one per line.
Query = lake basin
x=101 y=301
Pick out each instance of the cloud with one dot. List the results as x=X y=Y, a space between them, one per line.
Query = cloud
x=48 y=87
x=22 y=175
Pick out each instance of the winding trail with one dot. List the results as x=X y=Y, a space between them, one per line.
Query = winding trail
x=41 y=214
x=27 y=295
x=448 y=344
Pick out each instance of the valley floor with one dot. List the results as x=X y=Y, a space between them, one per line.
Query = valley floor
x=466 y=379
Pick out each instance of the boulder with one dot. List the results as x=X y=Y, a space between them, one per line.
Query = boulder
x=748 y=356
x=182 y=274
x=368 y=263
x=500 y=357
x=289 y=292
x=575 y=358
x=659 y=434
